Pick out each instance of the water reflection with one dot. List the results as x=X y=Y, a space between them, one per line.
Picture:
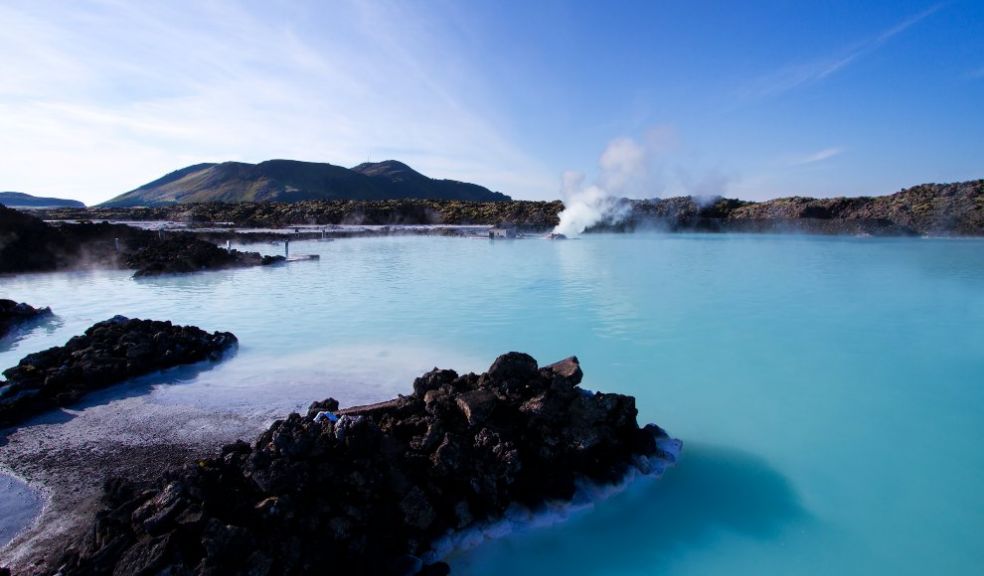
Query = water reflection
x=46 y=325
x=19 y=505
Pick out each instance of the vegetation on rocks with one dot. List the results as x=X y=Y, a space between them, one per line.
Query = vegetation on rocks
x=294 y=181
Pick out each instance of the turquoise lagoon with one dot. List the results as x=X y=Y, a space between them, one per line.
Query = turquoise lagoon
x=829 y=391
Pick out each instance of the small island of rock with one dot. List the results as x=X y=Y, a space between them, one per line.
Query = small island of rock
x=109 y=352
x=370 y=490
x=14 y=313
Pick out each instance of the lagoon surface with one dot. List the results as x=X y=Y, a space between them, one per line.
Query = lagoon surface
x=829 y=391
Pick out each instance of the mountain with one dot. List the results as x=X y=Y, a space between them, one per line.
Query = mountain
x=21 y=200
x=295 y=181
x=416 y=185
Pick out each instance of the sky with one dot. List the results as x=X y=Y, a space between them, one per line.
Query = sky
x=649 y=99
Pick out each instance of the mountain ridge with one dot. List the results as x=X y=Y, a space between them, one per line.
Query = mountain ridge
x=23 y=200
x=282 y=180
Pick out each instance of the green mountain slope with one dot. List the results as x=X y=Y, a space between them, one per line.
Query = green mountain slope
x=295 y=181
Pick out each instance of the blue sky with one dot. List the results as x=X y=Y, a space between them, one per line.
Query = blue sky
x=754 y=100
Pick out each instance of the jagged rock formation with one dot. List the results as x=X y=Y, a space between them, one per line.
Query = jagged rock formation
x=108 y=353
x=366 y=490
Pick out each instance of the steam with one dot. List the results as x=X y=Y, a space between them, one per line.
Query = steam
x=624 y=169
x=706 y=189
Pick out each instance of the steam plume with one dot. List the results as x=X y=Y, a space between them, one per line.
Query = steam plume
x=624 y=169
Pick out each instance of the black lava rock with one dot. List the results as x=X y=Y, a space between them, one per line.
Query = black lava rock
x=14 y=313
x=366 y=490
x=183 y=253
x=109 y=352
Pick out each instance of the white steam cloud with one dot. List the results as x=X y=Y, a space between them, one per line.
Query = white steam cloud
x=624 y=169
x=628 y=169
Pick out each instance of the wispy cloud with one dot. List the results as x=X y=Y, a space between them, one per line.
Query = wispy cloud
x=100 y=97
x=818 y=156
x=804 y=74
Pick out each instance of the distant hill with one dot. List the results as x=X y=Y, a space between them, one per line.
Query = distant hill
x=21 y=200
x=294 y=181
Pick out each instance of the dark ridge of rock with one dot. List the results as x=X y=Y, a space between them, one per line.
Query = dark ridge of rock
x=108 y=353
x=14 y=313
x=28 y=244
x=936 y=209
x=184 y=253
x=366 y=490
x=535 y=215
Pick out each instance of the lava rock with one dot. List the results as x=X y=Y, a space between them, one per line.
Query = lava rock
x=369 y=489
x=107 y=353
x=183 y=253
x=14 y=313
x=29 y=244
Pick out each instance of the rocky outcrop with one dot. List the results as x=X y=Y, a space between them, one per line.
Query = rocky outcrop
x=109 y=352
x=938 y=209
x=184 y=253
x=525 y=214
x=366 y=490
x=934 y=209
x=28 y=244
x=14 y=313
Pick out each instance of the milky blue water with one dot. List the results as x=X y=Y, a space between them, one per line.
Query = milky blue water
x=830 y=391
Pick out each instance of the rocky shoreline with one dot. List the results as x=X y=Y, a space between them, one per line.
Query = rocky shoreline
x=370 y=489
x=929 y=209
x=13 y=314
x=107 y=353
x=27 y=244
x=535 y=215
x=954 y=209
